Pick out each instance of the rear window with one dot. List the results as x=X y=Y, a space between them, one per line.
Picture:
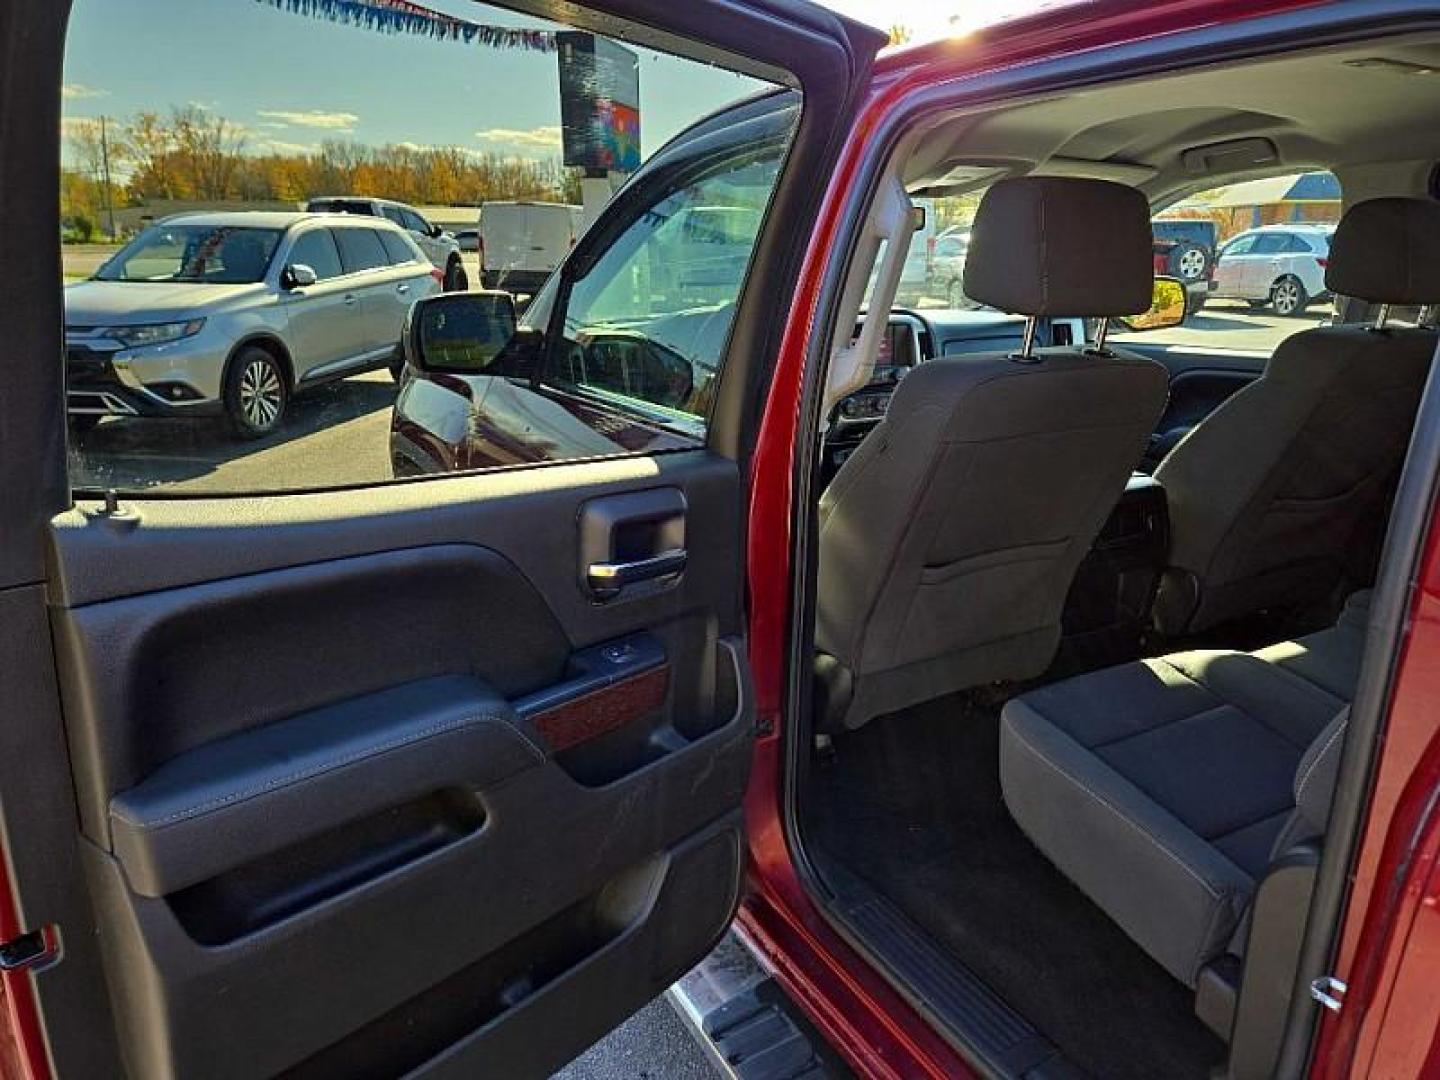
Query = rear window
x=361 y=249
x=341 y=206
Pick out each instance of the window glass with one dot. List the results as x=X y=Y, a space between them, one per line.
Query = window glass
x=648 y=323
x=1244 y=252
x=316 y=249
x=180 y=181
x=208 y=254
x=396 y=249
x=361 y=249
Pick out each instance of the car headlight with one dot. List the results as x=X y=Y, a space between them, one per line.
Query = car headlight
x=154 y=333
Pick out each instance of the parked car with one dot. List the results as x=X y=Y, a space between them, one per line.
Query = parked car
x=521 y=243
x=1189 y=246
x=947 y=267
x=442 y=249
x=1279 y=266
x=917 y=774
x=233 y=313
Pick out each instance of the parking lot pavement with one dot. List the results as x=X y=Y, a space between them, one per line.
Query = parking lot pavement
x=1232 y=324
x=653 y=1045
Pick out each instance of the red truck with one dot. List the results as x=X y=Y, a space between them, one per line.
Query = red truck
x=1067 y=710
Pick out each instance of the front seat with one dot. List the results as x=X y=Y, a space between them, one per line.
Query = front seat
x=949 y=539
x=1269 y=495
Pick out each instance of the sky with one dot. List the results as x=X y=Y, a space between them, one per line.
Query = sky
x=291 y=81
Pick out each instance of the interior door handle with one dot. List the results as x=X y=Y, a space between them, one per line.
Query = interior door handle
x=608 y=579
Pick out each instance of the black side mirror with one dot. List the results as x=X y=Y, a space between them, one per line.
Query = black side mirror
x=470 y=333
x=297 y=276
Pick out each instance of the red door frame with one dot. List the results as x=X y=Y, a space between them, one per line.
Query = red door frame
x=857 y=1010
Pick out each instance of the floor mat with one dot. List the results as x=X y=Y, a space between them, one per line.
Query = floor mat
x=911 y=803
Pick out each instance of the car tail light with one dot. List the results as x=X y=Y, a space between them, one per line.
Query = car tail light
x=438 y=275
x=1323 y=262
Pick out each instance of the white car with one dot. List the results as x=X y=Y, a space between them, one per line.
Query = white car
x=521 y=243
x=442 y=249
x=1280 y=266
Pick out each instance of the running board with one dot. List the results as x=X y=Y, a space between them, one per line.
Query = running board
x=954 y=999
x=746 y=1024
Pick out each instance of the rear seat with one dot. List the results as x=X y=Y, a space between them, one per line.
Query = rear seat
x=1162 y=787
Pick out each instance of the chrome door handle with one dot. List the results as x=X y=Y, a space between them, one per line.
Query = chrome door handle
x=402 y=288
x=350 y=299
x=608 y=580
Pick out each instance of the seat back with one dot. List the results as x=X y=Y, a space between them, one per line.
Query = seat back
x=1271 y=495
x=949 y=540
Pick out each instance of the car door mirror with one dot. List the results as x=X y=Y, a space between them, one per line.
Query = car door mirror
x=1167 y=307
x=298 y=276
x=471 y=333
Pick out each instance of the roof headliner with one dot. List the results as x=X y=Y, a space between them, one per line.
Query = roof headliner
x=1374 y=126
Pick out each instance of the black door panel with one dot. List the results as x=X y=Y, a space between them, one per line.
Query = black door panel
x=440 y=779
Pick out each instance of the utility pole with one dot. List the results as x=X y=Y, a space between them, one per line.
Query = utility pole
x=105 y=178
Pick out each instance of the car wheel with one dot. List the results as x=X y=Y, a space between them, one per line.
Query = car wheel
x=397 y=364
x=456 y=279
x=1189 y=262
x=256 y=393
x=1288 y=297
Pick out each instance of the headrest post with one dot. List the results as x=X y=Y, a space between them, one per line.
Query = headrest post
x=1026 y=355
x=1426 y=319
x=1101 y=334
x=1382 y=317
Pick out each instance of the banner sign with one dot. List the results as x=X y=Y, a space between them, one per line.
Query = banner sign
x=599 y=103
x=405 y=17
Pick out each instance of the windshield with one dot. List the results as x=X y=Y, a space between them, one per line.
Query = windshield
x=200 y=254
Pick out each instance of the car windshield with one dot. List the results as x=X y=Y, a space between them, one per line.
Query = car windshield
x=199 y=254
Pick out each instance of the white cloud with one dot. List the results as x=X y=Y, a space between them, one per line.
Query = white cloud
x=311 y=118
x=531 y=139
x=75 y=91
x=280 y=146
x=71 y=126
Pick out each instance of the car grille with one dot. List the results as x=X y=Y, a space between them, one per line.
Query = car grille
x=87 y=364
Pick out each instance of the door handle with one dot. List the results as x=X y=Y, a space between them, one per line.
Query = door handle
x=608 y=579
x=350 y=300
x=402 y=288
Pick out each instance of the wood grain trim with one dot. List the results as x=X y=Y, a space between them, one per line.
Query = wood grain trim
x=604 y=710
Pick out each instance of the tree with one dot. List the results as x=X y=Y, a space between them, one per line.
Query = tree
x=207 y=150
x=152 y=144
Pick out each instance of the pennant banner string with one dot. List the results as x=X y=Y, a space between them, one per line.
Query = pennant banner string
x=405 y=17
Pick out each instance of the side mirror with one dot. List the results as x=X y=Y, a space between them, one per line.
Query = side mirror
x=470 y=333
x=298 y=276
x=1167 y=307
x=435 y=231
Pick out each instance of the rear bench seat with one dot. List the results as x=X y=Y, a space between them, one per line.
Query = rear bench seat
x=1162 y=788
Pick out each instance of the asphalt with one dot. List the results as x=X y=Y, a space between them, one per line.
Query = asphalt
x=653 y=1045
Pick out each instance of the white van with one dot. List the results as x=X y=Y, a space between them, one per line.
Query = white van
x=521 y=243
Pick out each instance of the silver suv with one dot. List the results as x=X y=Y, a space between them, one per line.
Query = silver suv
x=442 y=249
x=233 y=313
x=1282 y=266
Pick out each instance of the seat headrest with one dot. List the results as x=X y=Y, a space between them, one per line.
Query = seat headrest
x=1387 y=251
x=1051 y=245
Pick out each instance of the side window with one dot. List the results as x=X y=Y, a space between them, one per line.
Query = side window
x=396 y=249
x=361 y=249
x=1271 y=244
x=316 y=249
x=171 y=185
x=1243 y=246
x=647 y=325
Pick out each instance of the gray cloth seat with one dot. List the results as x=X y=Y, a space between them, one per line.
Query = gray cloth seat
x=949 y=540
x=1270 y=494
x=1164 y=788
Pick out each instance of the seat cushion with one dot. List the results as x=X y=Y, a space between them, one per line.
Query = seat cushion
x=1159 y=787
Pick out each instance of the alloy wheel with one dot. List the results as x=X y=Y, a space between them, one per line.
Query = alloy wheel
x=1192 y=264
x=260 y=393
x=1286 y=298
